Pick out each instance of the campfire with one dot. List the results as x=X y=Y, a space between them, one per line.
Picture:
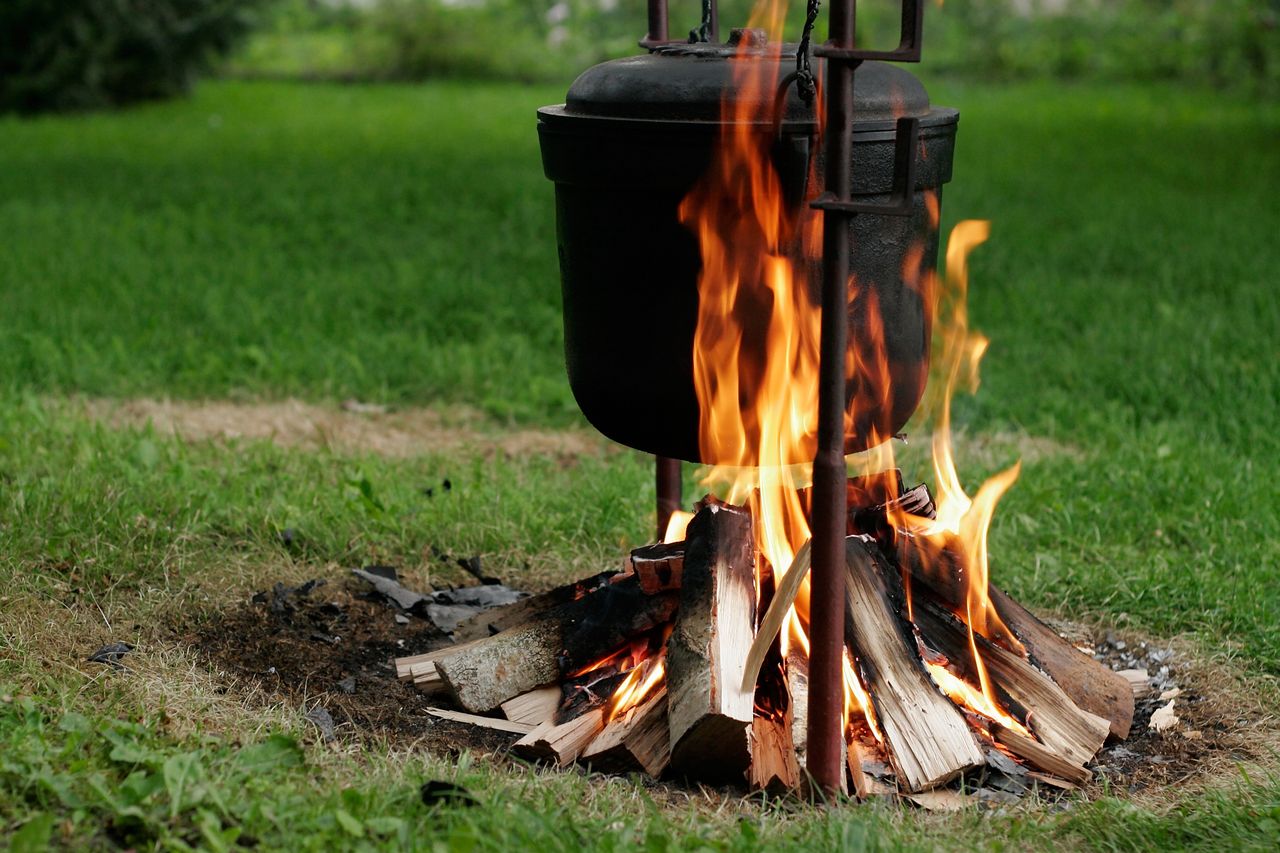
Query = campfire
x=693 y=659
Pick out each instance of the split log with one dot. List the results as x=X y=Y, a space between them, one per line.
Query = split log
x=428 y=679
x=773 y=758
x=638 y=739
x=710 y=712
x=796 y=669
x=560 y=744
x=411 y=667
x=1092 y=686
x=535 y=707
x=485 y=673
x=1039 y=755
x=499 y=619
x=1073 y=733
x=658 y=566
x=928 y=739
x=493 y=723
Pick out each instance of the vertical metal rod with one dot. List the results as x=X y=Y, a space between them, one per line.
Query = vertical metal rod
x=668 y=488
x=714 y=35
x=830 y=499
x=657 y=23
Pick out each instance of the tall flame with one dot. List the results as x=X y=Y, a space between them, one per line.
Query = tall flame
x=965 y=518
x=760 y=261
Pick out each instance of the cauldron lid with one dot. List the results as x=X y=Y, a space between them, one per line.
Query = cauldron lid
x=687 y=83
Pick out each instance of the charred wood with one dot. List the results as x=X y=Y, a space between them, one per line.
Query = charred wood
x=500 y=619
x=658 y=566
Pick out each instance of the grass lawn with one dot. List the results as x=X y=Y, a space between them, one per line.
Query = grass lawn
x=396 y=244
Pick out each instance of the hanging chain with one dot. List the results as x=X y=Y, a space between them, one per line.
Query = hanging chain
x=806 y=86
x=703 y=32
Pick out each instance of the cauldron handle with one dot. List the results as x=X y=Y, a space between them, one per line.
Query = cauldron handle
x=658 y=34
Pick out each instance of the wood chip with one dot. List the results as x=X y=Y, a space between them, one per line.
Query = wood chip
x=483 y=722
x=1138 y=679
x=1164 y=719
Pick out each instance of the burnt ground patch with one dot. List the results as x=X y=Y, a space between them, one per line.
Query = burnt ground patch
x=330 y=644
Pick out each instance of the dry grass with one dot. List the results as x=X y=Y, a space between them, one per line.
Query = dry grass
x=349 y=428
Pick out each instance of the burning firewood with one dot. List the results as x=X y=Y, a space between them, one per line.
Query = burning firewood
x=1039 y=755
x=1055 y=720
x=483 y=674
x=636 y=739
x=774 y=766
x=560 y=744
x=710 y=712
x=1090 y=685
x=928 y=739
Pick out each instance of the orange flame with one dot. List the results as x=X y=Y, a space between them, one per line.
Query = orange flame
x=636 y=687
x=677 y=526
x=758 y=415
x=967 y=519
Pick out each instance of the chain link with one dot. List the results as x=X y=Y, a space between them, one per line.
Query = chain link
x=806 y=86
x=703 y=33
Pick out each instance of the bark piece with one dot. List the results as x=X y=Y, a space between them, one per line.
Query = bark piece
x=535 y=707
x=1039 y=755
x=1056 y=721
x=658 y=566
x=560 y=744
x=928 y=739
x=710 y=712
x=638 y=739
x=483 y=722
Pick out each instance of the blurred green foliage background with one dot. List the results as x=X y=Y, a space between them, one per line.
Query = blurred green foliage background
x=60 y=54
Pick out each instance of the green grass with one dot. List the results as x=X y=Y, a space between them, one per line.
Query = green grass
x=397 y=244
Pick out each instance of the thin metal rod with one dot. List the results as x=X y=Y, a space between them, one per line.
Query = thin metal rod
x=657 y=24
x=668 y=488
x=825 y=748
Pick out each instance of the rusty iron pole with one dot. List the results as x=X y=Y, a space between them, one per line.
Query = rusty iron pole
x=825 y=750
x=667 y=481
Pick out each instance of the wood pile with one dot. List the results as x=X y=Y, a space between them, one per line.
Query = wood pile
x=672 y=667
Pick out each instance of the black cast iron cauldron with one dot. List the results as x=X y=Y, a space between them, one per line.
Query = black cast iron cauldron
x=632 y=138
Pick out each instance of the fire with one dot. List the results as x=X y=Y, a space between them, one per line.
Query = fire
x=677 y=526
x=636 y=687
x=967 y=519
x=758 y=416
